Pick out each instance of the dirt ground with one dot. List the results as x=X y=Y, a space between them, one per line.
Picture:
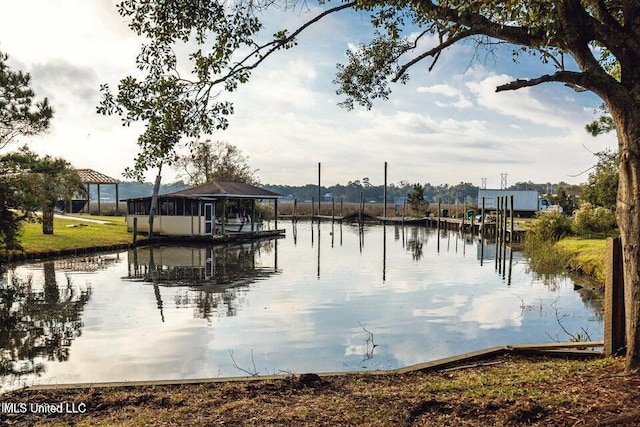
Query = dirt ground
x=507 y=390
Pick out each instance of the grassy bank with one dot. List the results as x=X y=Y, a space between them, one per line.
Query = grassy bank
x=75 y=232
x=508 y=390
x=585 y=256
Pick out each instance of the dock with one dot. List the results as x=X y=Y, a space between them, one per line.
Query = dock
x=444 y=223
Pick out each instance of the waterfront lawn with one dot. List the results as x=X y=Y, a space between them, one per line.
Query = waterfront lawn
x=75 y=232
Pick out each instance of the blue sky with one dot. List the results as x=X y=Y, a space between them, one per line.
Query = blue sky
x=445 y=126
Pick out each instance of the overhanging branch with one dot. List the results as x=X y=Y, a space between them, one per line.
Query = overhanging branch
x=275 y=45
x=433 y=52
x=569 y=77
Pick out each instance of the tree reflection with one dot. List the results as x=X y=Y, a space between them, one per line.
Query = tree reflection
x=415 y=242
x=38 y=325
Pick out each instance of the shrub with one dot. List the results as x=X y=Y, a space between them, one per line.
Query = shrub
x=539 y=243
x=594 y=222
x=551 y=226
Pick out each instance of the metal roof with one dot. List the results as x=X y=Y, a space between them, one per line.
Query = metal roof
x=89 y=176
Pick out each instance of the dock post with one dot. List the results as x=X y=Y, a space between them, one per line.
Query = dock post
x=464 y=214
x=333 y=209
x=481 y=226
x=319 y=197
x=294 y=217
x=438 y=225
x=614 y=317
x=506 y=218
x=313 y=211
x=512 y=225
x=384 y=204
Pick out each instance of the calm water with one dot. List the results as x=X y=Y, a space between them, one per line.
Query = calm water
x=325 y=298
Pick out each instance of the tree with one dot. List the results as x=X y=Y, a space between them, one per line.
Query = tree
x=218 y=161
x=416 y=198
x=38 y=182
x=602 y=186
x=18 y=114
x=598 y=35
x=18 y=117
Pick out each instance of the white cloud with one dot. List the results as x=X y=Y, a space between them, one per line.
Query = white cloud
x=448 y=91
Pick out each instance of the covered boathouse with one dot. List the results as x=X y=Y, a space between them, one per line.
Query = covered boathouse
x=214 y=208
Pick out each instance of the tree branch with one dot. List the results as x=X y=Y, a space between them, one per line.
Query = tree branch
x=433 y=52
x=570 y=77
x=275 y=45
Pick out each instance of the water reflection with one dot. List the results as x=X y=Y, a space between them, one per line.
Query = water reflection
x=229 y=265
x=342 y=291
x=39 y=321
x=214 y=277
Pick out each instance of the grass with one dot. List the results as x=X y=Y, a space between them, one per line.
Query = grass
x=512 y=391
x=75 y=232
x=586 y=256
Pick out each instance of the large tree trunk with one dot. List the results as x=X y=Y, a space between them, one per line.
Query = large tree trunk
x=628 y=215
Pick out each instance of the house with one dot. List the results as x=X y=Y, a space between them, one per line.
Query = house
x=209 y=209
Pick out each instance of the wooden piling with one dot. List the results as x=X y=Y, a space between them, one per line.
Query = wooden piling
x=512 y=224
x=294 y=217
x=333 y=209
x=319 y=196
x=384 y=204
x=614 y=313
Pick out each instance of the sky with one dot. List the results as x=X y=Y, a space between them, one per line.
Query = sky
x=443 y=127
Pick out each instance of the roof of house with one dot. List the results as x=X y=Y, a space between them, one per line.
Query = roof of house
x=89 y=176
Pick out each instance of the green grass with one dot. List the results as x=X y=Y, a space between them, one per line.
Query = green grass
x=586 y=256
x=72 y=232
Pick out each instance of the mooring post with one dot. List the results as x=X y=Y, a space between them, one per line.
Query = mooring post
x=512 y=215
x=614 y=317
x=294 y=217
x=319 y=197
x=384 y=204
x=481 y=226
x=313 y=212
x=333 y=209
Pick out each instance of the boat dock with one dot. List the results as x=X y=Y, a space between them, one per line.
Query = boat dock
x=444 y=223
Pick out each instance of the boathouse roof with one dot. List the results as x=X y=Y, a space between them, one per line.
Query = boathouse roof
x=220 y=189
x=227 y=189
x=89 y=176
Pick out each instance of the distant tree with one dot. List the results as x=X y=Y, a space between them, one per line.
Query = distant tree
x=215 y=161
x=20 y=115
x=602 y=187
x=416 y=198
